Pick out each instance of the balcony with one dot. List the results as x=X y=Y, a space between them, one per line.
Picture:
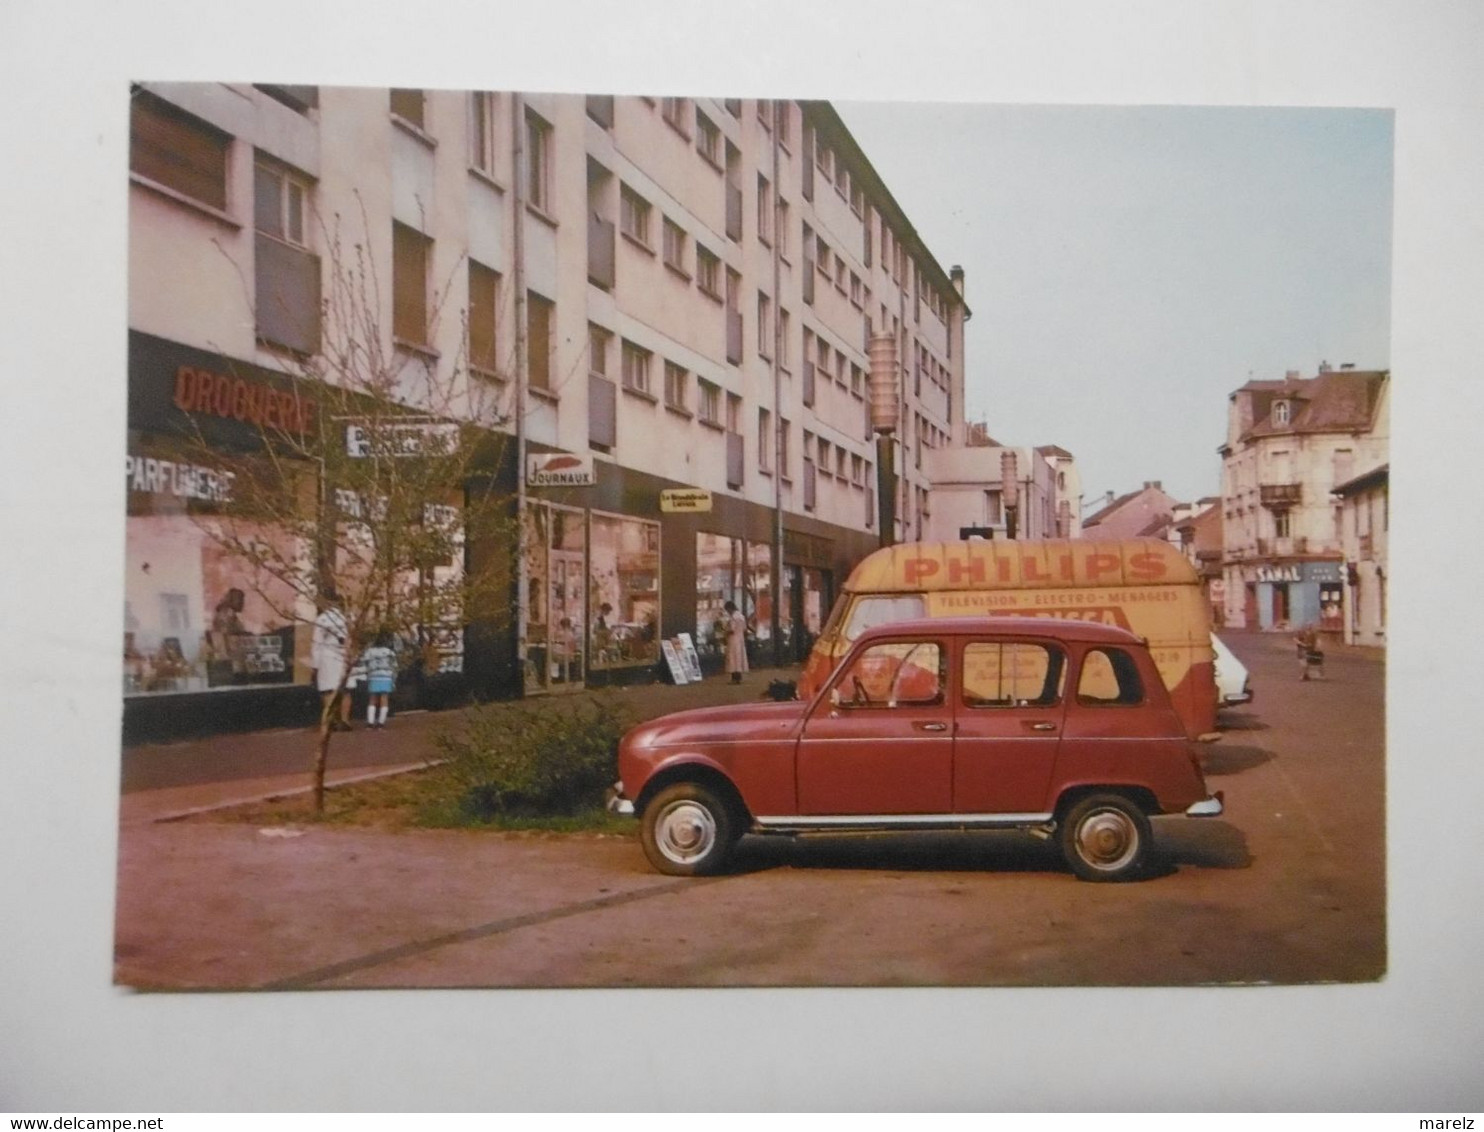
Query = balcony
x=600 y=109
x=601 y=252
x=734 y=459
x=734 y=337
x=602 y=411
x=1280 y=495
x=734 y=213
x=288 y=295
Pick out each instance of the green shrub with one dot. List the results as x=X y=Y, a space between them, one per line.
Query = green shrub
x=541 y=758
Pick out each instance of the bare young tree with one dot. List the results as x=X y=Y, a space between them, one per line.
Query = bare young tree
x=375 y=482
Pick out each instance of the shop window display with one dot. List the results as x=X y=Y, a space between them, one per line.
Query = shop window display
x=196 y=618
x=556 y=556
x=623 y=592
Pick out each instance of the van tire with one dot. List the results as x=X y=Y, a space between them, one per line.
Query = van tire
x=1105 y=837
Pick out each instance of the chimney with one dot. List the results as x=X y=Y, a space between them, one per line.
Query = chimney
x=1324 y=367
x=956 y=277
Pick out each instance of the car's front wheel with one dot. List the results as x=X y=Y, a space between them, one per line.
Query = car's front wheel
x=687 y=830
x=1105 y=837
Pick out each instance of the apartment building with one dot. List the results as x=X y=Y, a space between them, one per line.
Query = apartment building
x=656 y=293
x=969 y=491
x=1291 y=445
x=1365 y=510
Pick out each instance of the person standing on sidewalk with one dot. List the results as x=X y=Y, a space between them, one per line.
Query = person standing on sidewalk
x=327 y=654
x=736 y=631
x=1311 y=656
x=381 y=675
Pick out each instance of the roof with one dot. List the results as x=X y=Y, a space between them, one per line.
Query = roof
x=1055 y=628
x=1054 y=450
x=1335 y=401
x=1373 y=478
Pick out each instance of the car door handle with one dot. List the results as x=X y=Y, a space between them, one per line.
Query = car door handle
x=1041 y=725
x=931 y=726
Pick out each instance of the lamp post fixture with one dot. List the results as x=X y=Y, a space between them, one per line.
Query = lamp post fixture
x=886 y=412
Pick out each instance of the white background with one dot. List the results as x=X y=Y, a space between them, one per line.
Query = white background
x=71 y=1042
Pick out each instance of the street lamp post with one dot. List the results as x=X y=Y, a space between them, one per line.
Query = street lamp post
x=885 y=416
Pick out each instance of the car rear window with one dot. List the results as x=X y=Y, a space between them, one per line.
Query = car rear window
x=1109 y=676
x=1011 y=674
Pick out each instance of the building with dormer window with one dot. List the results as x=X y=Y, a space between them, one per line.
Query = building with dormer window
x=1291 y=444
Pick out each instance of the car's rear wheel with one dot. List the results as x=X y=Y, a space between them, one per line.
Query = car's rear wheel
x=687 y=830
x=1105 y=837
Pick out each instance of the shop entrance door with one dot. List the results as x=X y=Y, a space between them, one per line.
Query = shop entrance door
x=556 y=565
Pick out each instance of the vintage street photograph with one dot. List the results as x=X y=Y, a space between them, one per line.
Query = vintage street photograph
x=772 y=557
x=579 y=540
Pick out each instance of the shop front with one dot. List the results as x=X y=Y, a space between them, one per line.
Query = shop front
x=213 y=639
x=1290 y=595
x=210 y=643
x=611 y=574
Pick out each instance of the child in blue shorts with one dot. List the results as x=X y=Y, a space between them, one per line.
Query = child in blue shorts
x=381 y=674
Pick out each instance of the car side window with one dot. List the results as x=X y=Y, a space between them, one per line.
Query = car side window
x=1012 y=674
x=893 y=674
x=1109 y=676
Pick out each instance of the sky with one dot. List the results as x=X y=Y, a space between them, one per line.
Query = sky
x=1128 y=267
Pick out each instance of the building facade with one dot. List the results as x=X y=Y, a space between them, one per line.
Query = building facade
x=1290 y=445
x=659 y=295
x=1365 y=513
x=968 y=492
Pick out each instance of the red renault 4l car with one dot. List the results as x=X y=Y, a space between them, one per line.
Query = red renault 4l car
x=1056 y=727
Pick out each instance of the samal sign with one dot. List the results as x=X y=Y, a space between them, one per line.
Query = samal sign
x=560 y=469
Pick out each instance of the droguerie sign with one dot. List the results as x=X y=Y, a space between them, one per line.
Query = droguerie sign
x=238 y=398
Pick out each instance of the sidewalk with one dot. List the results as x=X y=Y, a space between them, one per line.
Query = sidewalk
x=283 y=755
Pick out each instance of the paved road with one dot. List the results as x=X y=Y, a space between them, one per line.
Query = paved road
x=1288 y=887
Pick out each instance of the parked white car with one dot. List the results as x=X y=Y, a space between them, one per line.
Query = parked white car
x=1233 y=684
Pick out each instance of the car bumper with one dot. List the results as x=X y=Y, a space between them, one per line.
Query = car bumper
x=1206 y=808
x=616 y=803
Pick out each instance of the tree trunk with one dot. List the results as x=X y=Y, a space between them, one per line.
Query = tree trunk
x=327 y=717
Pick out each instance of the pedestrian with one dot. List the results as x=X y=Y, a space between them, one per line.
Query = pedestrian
x=327 y=654
x=381 y=674
x=736 y=636
x=1311 y=656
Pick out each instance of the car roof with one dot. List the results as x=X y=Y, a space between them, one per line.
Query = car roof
x=1055 y=628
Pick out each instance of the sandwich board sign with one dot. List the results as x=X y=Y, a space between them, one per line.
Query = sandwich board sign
x=687 y=649
x=674 y=661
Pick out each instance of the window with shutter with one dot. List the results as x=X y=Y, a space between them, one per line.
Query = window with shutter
x=179 y=152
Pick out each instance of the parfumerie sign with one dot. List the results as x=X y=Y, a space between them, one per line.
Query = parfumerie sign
x=168 y=477
x=560 y=469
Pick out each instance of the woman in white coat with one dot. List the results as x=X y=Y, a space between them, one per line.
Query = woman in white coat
x=736 y=631
x=327 y=654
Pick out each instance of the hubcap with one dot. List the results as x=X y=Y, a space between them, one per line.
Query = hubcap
x=685 y=832
x=1107 y=839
